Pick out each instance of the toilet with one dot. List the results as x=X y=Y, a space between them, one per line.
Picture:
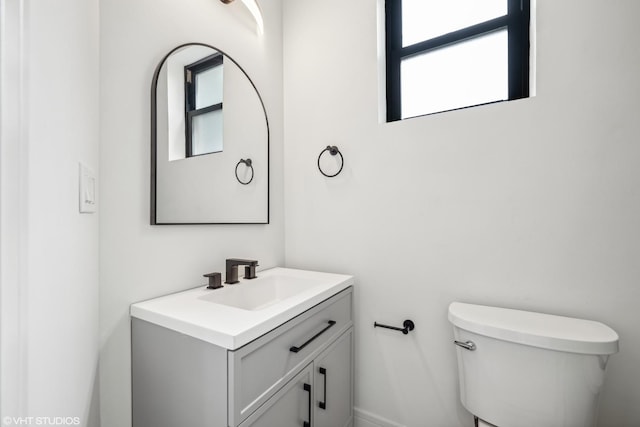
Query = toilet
x=525 y=369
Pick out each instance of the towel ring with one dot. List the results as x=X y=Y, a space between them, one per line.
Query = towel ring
x=249 y=164
x=333 y=150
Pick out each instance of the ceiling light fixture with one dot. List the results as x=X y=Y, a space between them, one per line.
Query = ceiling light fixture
x=254 y=8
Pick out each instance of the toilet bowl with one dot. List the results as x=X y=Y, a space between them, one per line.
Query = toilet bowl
x=525 y=369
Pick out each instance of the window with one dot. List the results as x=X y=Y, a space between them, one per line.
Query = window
x=449 y=54
x=203 y=106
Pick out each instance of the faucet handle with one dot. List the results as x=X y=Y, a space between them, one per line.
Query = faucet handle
x=215 y=280
x=250 y=272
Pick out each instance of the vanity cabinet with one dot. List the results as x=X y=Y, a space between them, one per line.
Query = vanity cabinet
x=299 y=374
x=319 y=396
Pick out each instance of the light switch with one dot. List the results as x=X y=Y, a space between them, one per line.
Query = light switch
x=87 y=194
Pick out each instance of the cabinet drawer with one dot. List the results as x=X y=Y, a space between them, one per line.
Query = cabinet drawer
x=259 y=369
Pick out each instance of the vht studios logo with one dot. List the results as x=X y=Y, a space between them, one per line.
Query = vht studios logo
x=41 y=421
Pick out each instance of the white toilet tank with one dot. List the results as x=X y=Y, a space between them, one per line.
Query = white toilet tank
x=525 y=369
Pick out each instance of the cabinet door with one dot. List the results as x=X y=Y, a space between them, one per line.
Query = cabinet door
x=291 y=406
x=333 y=377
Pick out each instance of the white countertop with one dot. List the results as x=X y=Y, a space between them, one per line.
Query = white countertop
x=215 y=316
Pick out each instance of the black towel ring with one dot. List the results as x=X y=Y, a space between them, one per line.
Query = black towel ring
x=333 y=150
x=249 y=164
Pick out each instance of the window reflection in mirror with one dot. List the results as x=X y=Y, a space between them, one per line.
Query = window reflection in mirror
x=194 y=82
x=203 y=106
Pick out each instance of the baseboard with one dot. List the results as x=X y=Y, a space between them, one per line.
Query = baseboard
x=364 y=418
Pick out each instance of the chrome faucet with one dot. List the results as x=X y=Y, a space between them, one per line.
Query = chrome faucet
x=232 y=269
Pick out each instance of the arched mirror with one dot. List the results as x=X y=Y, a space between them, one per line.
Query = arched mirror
x=209 y=141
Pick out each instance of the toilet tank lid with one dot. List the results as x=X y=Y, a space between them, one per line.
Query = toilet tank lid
x=535 y=329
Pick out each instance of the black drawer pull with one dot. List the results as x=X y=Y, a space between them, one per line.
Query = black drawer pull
x=307 y=388
x=295 y=349
x=323 y=404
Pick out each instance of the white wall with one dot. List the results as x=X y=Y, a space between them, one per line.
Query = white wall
x=531 y=204
x=52 y=92
x=139 y=261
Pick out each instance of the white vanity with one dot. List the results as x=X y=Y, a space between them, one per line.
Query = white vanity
x=276 y=351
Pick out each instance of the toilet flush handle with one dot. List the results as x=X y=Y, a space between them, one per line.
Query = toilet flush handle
x=468 y=345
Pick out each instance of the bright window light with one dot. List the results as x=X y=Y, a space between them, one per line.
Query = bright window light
x=426 y=19
x=467 y=73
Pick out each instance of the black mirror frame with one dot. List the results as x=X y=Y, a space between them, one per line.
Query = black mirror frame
x=154 y=139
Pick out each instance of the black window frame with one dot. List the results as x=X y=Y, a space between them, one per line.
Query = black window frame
x=516 y=21
x=190 y=90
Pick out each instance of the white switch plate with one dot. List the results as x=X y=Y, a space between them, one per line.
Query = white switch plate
x=88 y=186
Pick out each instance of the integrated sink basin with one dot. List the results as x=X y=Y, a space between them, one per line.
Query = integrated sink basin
x=235 y=315
x=260 y=293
